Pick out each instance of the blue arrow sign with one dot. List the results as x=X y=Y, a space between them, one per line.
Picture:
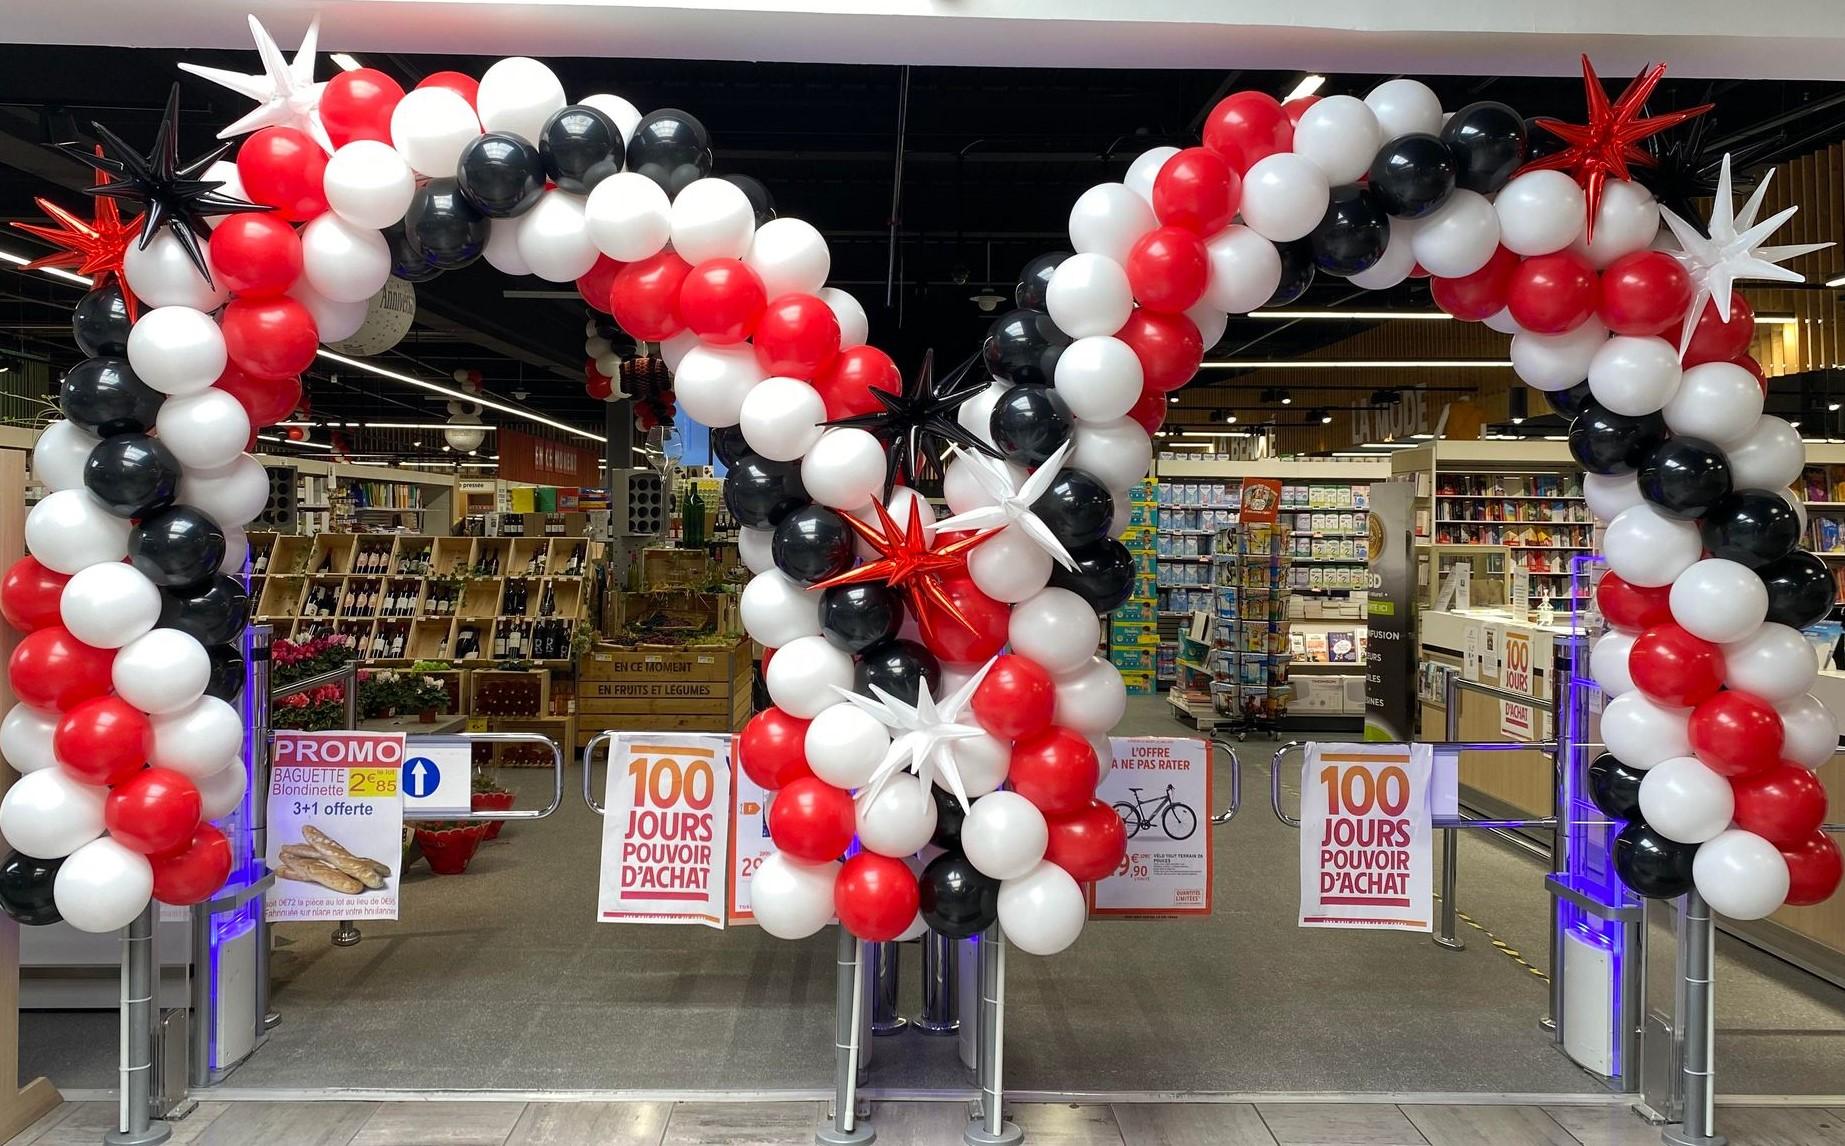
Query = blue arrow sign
x=421 y=776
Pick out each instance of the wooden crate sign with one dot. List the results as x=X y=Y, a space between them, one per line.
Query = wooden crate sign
x=716 y=662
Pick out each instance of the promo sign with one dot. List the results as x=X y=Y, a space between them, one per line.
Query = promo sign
x=336 y=825
x=1160 y=786
x=1517 y=721
x=1365 y=857
x=750 y=842
x=665 y=831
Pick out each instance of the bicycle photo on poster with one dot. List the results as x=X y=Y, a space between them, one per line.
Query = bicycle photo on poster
x=1175 y=818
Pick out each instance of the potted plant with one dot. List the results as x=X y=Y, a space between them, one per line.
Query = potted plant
x=449 y=845
x=488 y=796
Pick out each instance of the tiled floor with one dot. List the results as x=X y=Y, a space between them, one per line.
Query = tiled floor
x=439 y=1123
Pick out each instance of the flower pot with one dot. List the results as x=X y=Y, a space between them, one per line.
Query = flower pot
x=427 y=716
x=449 y=849
x=497 y=800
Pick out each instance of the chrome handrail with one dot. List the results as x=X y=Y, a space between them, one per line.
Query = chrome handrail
x=557 y=775
x=1275 y=793
x=1236 y=783
x=589 y=761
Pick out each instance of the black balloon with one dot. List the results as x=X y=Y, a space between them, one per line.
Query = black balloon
x=1615 y=787
x=1035 y=280
x=728 y=444
x=898 y=667
x=1800 y=589
x=1570 y=402
x=1604 y=442
x=176 y=546
x=1350 y=237
x=100 y=324
x=1684 y=477
x=1540 y=141
x=445 y=226
x=581 y=147
x=760 y=492
x=1296 y=272
x=132 y=475
x=501 y=175
x=1022 y=347
x=408 y=262
x=1751 y=526
x=1489 y=145
x=856 y=617
x=227 y=673
x=1651 y=865
x=948 y=817
x=1029 y=423
x=103 y=396
x=812 y=544
x=213 y=611
x=1412 y=175
x=957 y=900
x=26 y=889
x=1077 y=507
x=671 y=148
x=761 y=202
x=1104 y=574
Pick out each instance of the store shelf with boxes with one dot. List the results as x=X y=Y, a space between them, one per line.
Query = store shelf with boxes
x=1133 y=628
x=307 y=496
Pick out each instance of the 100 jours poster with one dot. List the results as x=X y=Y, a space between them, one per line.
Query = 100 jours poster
x=336 y=822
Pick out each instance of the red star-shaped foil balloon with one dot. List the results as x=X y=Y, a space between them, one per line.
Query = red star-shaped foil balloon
x=906 y=563
x=1610 y=141
x=94 y=248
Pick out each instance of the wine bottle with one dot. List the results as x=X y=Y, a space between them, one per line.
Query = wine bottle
x=499 y=643
x=442 y=647
x=548 y=606
x=397 y=644
x=467 y=644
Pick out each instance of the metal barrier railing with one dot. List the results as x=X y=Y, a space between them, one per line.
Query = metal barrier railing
x=1236 y=783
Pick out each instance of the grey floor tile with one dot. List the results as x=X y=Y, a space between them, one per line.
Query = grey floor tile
x=1487 y=1126
x=918 y=1123
x=439 y=1124
x=287 y=1123
x=1604 y=1125
x=45 y=1122
x=1191 y=1124
x=742 y=1124
x=1062 y=1124
x=1339 y=1124
x=591 y=1124
x=1780 y=1126
x=83 y=1124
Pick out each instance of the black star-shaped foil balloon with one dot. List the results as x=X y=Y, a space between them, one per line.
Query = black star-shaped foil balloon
x=170 y=190
x=918 y=425
x=1686 y=167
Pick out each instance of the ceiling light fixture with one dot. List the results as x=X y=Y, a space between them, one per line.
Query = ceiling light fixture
x=1355 y=315
x=459 y=395
x=1385 y=446
x=347 y=61
x=1309 y=84
x=291 y=442
x=385 y=425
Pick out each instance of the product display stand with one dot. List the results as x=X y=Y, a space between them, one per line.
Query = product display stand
x=1697 y=1020
x=989 y=1127
x=134 y=1125
x=845 y=1128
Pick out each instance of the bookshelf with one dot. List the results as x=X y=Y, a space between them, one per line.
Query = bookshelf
x=1822 y=487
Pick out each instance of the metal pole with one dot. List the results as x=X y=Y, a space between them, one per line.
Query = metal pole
x=991 y=1128
x=347 y=934
x=1450 y=839
x=940 y=1014
x=1697 y=956
x=261 y=730
x=844 y=1129
x=886 y=978
x=134 y=1115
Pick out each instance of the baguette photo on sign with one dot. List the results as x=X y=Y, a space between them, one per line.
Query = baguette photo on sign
x=321 y=859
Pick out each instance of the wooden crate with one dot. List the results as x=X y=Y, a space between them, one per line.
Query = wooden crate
x=667 y=611
x=697 y=689
x=673 y=568
x=532 y=687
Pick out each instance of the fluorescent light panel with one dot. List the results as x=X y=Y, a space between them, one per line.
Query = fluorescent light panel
x=292 y=442
x=1307 y=86
x=459 y=395
x=394 y=425
x=347 y=61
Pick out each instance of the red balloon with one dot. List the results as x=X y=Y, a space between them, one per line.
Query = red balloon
x=1017 y=698
x=979 y=639
x=1169 y=348
x=721 y=301
x=1248 y=126
x=1057 y=770
x=645 y=296
x=1716 y=340
x=1150 y=410
x=195 y=873
x=358 y=105
x=269 y=337
x=845 y=386
x=1633 y=608
x=52 y=669
x=598 y=386
x=461 y=82
x=1755 y=368
x=1736 y=734
x=598 y=281
x=266 y=400
x=1783 y=804
x=29 y=594
x=282 y=167
x=1089 y=843
x=812 y=820
x=259 y=255
x=1554 y=293
x=1646 y=292
x=875 y=897
x=104 y=740
x=1196 y=190
x=1814 y=869
x=797 y=337
x=1297 y=107
x=772 y=748
x=1167 y=268
x=154 y=811
x=1675 y=668
x=1480 y=295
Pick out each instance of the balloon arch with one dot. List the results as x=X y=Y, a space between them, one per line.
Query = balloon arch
x=934 y=681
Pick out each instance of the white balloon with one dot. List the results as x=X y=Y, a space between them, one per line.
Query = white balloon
x=854 y=327
x=60 y=454
x=1608 y=662
x=236 y=550
x=161 y=671
x=1284 y=196
x=1769 y=457
x=69 y=530
x=206 y=430
x=1404 y=107
x=1009 y=566
x=844 y=469
x=674 y=349
x=1145 y=169
x=626 y=116
x=845 y=744
x=517 y=95
x=1648 y=548
x=222 y=791
x=1609 y=494
x=502 y=249
x=1626 y=221
x=1042 y=911
x=756 y=546
x=1775 y=662
x=553 y=238
x=102 y=886
x=233 y=495
x=897 y=821
x=162 y=274
x=1116 y=453
x=776 y=609
x=976 y=414
x=1245 y=270
x=1552 y=362
x=176 y=350
x=1740 y=875
x=1106 y=220
x=198 y=739
x=48 y=813
x=368 y=184
x=1123 y=516
x=1809 y=730
x=791 y=899
x=712 y=382
x=962 y=490
x=1456 y=238
x=1099 y=378
x=109 y=604
x=1501 y=320
x=344 y=261
x=1800 y=507
x=1004 y=835
x=25 y=738
x=1539 y=212
x=224 y=173
x=1089 y=295
x=1339 y=135
x=1683 y=800
x=333 y=321
x=1092 y=699
x=780 y=418
x=1641 y=733
x=712 y=219
x=1633 y=376
x=982 y=762
x=1718 y=401
x=629 y=217
x=1398 y=260
x=1056 y=628
x=790 y=257
x=429 y=127
x=805 y=674
x=1210 y=321
x=1718 y=600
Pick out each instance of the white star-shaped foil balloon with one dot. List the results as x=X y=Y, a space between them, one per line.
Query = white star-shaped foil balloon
x=1012 y=503
x=285 y=94
x=1733 y=251
x=922 y=734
